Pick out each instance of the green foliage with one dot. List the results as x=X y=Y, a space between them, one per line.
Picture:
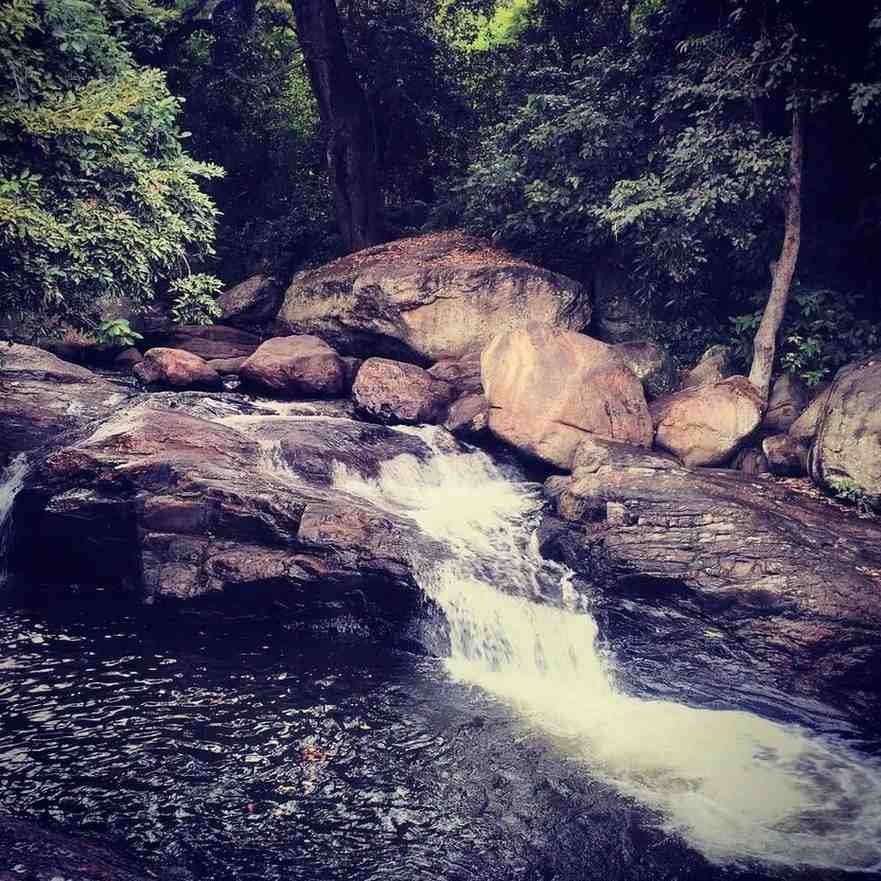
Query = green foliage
x=250 y=109
x=541 y=175
x=97 y=196
x=823 y=331
x=848 y=491
x=195 y=299
x=116 y=332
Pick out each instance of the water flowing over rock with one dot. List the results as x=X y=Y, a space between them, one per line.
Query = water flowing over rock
x=394 y=392
x=548 y=388
x=519 y=628
x=795 y=583
x=296 y=365
x=42 y=396
x=847 y=447
x=427 y=299
x=177 y=369
x=181 y=507
x=706 y=425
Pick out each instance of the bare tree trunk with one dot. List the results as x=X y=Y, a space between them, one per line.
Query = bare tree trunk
x=765 y=343
x=345 y=114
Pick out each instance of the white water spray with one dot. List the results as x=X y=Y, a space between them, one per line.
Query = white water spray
x=11 y=481
x=735 y=786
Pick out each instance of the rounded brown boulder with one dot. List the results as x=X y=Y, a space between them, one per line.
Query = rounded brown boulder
x=549 y=388
x=392 y=391
x=296 y=365
x=177 y=369
x=847 y=449
x=706 y=425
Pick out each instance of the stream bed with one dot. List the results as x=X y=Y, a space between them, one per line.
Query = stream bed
x=212 y=745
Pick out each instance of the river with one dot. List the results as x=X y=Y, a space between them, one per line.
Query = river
x=222 y=747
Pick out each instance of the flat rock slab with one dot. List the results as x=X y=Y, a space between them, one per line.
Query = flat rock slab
x=788 y=578
x=179 y=507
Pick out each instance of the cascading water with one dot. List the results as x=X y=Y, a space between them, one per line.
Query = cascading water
x=736 y=786
x=11 y=481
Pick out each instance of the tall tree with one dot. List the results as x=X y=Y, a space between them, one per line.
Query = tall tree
x=765 y=343
x=345 y=115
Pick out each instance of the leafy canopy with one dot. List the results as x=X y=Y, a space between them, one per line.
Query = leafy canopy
x=98 y=199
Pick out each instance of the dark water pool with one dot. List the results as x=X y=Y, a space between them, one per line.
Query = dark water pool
x=213 y=748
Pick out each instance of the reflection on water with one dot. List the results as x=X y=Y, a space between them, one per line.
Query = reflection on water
x=229 y=750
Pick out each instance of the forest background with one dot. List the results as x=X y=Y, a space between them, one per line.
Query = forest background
x=165 y=150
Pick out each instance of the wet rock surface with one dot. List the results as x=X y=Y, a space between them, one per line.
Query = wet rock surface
x=176 y=506
x=42 y=396
x=793 y=586
x=29 y=852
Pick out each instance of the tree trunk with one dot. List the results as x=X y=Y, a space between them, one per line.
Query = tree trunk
x=345 y=114
x=765 y=343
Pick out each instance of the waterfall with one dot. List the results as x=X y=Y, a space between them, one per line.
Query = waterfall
x=737 y=787
x=11 y=481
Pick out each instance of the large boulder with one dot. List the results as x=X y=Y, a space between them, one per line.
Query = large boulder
x=252 y=302
x=715 y=365
x=436 y=297
x=295 y=365
x=804 y=429
x=652 y=364
x=787 y=401
x=395 y=392
x=42 y=396
x=847 y=448
x=211 y=342
x=706 y=425
x=171 y=505
x=548 y=388
x=786 y=587
x=177 y=369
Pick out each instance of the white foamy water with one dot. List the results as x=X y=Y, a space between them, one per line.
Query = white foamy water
x=734 y=785
x=11 y=481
